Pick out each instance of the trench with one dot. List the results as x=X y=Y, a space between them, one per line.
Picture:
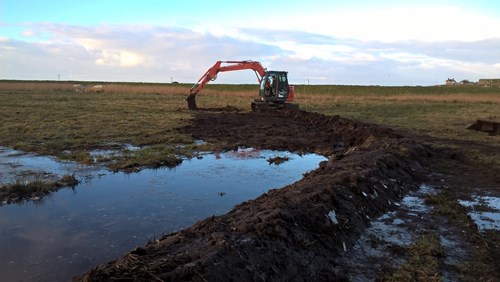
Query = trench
x=108 y=214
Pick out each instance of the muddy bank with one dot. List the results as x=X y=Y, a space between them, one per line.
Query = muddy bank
x=293 y=233
x=289 y=130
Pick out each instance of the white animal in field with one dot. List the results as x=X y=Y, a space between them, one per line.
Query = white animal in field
x=80 y=88
x=98 y=88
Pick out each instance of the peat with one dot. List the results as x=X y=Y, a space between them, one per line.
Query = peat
x=287 y=234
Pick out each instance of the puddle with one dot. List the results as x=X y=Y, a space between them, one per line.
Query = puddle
x=26 y=167
x=98 y=155
x=111 y=213
x=484 y=211
x=381 y=243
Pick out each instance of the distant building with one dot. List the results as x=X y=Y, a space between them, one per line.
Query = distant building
x=451 y=81
x=489 y=82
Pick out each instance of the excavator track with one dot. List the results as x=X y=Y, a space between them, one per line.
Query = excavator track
x=259 y=105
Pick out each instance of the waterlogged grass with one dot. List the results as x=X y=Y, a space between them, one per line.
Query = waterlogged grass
x=150 y=157
x=423 y=261
x=446 y=205
x=482 y=265
x=82 y=157
x=22 y=190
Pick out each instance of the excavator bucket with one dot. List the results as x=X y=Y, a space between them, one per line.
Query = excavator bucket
x=191 y=99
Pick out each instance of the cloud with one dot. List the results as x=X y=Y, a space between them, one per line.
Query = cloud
x=400 y=21
x=119 y=58
x=153 y=53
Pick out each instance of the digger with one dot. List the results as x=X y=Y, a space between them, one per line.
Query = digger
x=274 y=90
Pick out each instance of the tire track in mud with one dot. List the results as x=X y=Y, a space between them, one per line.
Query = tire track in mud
x=296 y=232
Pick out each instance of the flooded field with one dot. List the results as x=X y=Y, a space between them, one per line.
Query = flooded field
x=108 y=214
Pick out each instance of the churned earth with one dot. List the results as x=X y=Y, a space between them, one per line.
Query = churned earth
x=350 y=219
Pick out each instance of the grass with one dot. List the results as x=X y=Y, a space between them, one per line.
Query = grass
x=446 y=205
x=66 y=124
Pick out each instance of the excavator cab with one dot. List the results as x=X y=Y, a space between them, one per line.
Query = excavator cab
x=274 y=92
x=274 y=87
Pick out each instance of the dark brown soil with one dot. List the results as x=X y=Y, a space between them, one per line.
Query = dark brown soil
x=489 y=126
x=295 y=233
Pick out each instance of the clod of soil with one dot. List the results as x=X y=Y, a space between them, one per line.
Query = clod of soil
x=488 y=126
x=278 y=160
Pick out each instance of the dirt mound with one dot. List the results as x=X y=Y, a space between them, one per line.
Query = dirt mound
x=226 y=108
x=293 y=233
x=488 y=126
x=291 y=130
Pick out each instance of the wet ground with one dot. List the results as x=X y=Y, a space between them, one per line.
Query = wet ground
x=18 y=166
x=108 y=214
x=381 y=245
x=366 y=201
x=484 y=211
x=314 y=229
x=395 y=229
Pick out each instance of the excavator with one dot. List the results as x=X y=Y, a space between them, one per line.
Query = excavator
x=274 y=90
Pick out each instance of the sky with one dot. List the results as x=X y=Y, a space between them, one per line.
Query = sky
x=354 y=42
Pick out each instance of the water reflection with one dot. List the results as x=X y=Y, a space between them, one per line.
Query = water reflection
x=108 y=216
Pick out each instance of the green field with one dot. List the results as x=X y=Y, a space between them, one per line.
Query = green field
x=51 y=118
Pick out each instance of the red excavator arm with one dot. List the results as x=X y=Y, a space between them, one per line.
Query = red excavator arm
x=212 y=72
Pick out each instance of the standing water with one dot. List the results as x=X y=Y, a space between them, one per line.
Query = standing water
x=109 y=214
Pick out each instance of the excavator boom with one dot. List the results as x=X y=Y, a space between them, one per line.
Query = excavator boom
x=211 y=75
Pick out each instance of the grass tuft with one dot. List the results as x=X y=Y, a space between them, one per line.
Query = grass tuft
x=22 y=190
x=423 y=260
x=150 y=157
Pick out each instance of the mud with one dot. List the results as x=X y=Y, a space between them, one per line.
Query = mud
x=299 y=232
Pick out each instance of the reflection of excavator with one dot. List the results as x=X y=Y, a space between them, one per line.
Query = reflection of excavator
x=274 y=90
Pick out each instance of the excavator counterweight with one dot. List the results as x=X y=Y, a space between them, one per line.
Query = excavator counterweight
x=274 y=90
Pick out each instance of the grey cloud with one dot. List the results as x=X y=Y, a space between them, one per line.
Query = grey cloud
x=484 y=51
